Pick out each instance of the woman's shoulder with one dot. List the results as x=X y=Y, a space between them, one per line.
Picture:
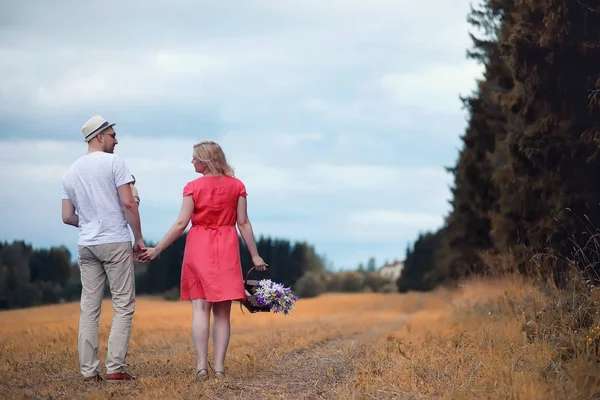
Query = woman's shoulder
x=193 y=182
x=233 y=183
x=189 y=187
x=212 y=182
x=220 y=180
x=240 y=187
x=215 y=180
x=236 y=180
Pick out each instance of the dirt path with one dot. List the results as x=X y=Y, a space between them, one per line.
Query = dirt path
x=311 y=373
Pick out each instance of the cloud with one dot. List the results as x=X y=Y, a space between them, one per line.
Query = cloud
x=394 y=218
x=138 y=79
x=435 y=88
x=193 y=61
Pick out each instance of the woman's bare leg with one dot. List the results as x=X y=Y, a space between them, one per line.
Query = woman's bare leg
x=200 y=332
x=221 y=332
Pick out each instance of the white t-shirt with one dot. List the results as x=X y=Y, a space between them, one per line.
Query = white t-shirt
x=91 y=185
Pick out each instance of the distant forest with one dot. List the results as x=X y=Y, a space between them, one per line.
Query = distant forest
x=32 y=277
x=527 y=179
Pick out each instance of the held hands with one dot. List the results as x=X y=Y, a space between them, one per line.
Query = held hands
x=149 y=254
x=259 y=263
x=138 y=248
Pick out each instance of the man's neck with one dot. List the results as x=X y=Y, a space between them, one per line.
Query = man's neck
x=93 y=149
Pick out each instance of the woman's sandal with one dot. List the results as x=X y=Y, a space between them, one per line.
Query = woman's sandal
x=220 y=374
x=202 y=376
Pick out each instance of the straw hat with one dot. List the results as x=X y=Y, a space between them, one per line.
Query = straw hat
x=94 y=126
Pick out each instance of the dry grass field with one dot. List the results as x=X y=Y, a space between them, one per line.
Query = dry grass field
x=465 y=344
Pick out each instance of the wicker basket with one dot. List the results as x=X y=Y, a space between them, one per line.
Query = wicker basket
x=251 y=303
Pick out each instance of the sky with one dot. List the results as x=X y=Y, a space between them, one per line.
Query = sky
x=340 y=116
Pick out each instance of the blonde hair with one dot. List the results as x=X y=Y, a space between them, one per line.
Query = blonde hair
x=211 y=154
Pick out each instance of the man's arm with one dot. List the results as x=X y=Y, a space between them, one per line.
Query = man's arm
x=130 y=209
x=123 y=180
x=69 y=216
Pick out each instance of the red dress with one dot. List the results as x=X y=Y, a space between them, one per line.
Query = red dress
x=211 y=261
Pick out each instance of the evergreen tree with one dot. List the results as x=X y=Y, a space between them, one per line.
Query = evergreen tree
x=468 y=226
x=371 y=264
x=164 y=273
x=548 y=181
x=420 y=262
x=53 y=265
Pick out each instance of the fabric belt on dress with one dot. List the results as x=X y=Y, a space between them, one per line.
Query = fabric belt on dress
x=216 y=232
x=215 y=227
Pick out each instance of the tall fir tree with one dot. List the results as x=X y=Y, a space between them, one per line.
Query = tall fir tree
x=467 y=229
x=548 y=178
x=419 y=262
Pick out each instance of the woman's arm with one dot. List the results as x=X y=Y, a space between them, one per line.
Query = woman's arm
x=245 y=227
x=182 y=221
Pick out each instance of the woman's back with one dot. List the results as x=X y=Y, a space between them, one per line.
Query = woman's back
x=215 y=199
x=211 y=274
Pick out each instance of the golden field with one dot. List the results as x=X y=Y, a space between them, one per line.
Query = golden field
x=467 y=343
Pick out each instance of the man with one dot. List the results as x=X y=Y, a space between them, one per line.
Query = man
x=97 y=198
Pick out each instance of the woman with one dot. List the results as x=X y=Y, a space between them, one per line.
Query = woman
x=134 y=191
x=211 y=275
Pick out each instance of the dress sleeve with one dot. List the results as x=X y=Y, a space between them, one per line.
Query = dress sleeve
x=188 y=189
x=242 y=189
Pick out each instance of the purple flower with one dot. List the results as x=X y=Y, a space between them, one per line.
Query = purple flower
x=275 y=296
x=261 y=300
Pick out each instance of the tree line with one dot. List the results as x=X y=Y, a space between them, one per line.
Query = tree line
x=526 y=179
x=32 y=277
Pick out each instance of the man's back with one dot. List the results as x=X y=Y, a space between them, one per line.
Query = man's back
x=91 y=185
x=96 y=198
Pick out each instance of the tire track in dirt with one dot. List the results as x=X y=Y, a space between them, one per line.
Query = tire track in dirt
x=311 y=373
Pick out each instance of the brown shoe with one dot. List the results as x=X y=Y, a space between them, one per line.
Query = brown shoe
x=120 y=377
x=93 y=378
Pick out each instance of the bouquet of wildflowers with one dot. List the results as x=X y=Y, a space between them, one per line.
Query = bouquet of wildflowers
x=275 y=296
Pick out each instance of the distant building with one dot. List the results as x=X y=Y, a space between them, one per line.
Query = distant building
x=392 y=269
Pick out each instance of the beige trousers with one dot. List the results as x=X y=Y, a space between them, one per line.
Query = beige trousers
x=97 y=263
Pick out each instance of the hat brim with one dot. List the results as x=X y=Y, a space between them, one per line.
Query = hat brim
x=98 y=131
